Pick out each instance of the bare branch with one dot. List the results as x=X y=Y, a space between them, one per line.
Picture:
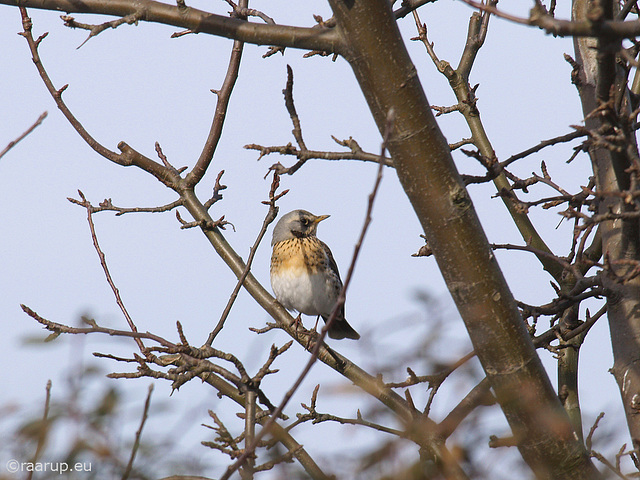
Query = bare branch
x=204 y=224
x=313 y=38
x=44 y=430
x=592 y=431
x=95 y=30
x=543 y=144
x=93 y=328
x=275 y=353
x=107 y=205
x=356 y=153
x=458 y=80
x=409 y=6
x=554 y=332
x=223 y=97
x=527 y=248
x=540 y=18
x=479 y=395
x=128 y=155
x=217 y=188
x=339 y=303
x=297 y=129
x=27 y=132
x=103 y=262
x=136 y=443
x=57 y=94
x=316 y=417
x=270 y=217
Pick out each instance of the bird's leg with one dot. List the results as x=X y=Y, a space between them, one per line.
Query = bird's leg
x=313 y=334
x=297 y=321
x=310 y=333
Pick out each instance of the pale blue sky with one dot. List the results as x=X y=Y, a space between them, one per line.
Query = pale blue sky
x=138 y=85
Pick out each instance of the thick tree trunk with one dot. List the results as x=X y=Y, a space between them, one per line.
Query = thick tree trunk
x=426 y=170
x=600 y=80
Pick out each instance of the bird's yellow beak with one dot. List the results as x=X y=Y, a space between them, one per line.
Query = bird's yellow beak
x=320 y=218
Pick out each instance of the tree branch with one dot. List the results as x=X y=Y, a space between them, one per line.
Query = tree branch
x=136 y=443
x=270 y=217
x=459 y=82
x=26 y=132
x=423 y=162
x=540 y=18
x=198 y=21
x=224 y=95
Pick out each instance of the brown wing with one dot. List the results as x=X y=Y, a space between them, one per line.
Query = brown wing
x=340 y=328
x=332 y=263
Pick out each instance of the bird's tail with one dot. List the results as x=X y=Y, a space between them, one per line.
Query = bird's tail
x=340 y=329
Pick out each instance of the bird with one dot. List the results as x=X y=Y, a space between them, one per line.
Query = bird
x=304 y=274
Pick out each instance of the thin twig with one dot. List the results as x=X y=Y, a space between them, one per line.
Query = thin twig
x=270 y=217
x=57 y=94
x=543 y=144
x=107 y=205
x=249 y=431
x=265 y=369
x=592 y=431
x=554 y=332
x=434 y=379
x=291 y=108
x=136 y=443
x=103 y=262
x=95 y=30
x=297 y=129
x=316 y=417
x=224 y=95
x=567 y=266
x=242 y=12
x=408 y=6
x=128 y=156
x=44 y=429
x=217 y=188
x=356 y=153
x=539 y=17
x=94 y=328
x=27 y=132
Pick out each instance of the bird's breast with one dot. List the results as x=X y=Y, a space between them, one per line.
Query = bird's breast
x=300 y=277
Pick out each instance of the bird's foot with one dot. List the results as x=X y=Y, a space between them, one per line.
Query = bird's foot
x=312 y=339
x=296 y=322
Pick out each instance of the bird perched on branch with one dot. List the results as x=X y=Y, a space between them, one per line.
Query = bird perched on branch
x=304 y=275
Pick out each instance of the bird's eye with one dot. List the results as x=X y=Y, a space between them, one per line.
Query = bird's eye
x=305 y=222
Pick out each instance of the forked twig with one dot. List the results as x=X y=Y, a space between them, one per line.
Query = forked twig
x=95 y=30
x=103 y=262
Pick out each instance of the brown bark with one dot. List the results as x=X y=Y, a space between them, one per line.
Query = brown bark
x=199 y=21
x=601 y=81
x=426 y=170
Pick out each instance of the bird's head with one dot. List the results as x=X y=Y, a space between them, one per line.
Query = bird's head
x=296 y=224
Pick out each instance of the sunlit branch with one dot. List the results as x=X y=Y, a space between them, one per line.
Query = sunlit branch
x=540 y=18
x=198 y=21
